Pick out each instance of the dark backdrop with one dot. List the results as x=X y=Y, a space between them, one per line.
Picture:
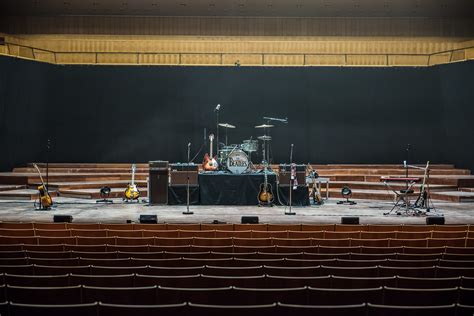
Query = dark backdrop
x=141 y=113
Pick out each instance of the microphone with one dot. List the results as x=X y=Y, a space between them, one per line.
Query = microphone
x=404 y=163
x=218 y=107
x=189 y=144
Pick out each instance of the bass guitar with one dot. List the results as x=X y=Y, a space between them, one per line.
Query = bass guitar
x=265 y=195
x=131 y=192
x=210 y=163
x=45 y=199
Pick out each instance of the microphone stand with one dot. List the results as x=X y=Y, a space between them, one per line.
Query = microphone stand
x=291 y=182
x=188 y=212
x=217 y=128
x=48 y=148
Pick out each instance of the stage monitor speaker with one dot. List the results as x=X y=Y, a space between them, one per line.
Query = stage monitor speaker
x=148 y=219
x=179 y=173
x=158 y=182
x=435 y=220
x=62 y=218
x=350 y=220
x=249 y=220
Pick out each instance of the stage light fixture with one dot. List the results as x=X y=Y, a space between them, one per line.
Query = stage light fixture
x=104 y=194
x=346 y=193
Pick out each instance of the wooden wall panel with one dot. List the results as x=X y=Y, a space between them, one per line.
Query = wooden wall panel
x=243 y=59
x=469 y=53
x=75 y=58
x=407 y=60
x=366 y=60
x=44 y=56
x=440 y=58
x=159 y=59
x=325 y=60
x=283 y=60
x=458 y=55
x=13 y=49
x=201 y=59
x=119 y=58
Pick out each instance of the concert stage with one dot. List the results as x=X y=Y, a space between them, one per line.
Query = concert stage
x=75 y=187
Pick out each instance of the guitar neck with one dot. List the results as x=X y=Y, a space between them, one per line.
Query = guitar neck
x=39 y=173
x=133 y=174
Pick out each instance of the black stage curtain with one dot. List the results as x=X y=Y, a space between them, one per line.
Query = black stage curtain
x=177 y=195
x=299 y=197
x=232 y=189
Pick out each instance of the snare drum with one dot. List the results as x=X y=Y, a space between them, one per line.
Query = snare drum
x=249 y=145
x=237 y=162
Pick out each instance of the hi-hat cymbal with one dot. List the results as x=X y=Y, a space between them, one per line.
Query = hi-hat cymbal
x=265 y=137
x=226 y=125
x=264 y=126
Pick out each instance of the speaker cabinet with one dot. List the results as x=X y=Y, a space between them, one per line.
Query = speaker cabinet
x=284 y=174
x=179 y=173
x=148 y=219
x=249 y=220
x=435 y=220
x=158 y=182
x=62 y=218
x=350 y=220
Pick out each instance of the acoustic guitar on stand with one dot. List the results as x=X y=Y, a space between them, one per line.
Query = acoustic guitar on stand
x=210 y=163
x=45 y=199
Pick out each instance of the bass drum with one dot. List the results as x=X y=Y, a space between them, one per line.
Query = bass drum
x=237 y=162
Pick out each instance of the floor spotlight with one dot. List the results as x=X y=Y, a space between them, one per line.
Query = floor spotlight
x=104 y=194
x=346 y=193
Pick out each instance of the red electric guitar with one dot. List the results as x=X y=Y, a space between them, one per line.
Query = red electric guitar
x=210 y=163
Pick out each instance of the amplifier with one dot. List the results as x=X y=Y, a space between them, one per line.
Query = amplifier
x=180 y=173
x=158 y=182
x=284 y=173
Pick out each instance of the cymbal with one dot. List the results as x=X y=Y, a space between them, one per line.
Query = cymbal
x=265 y=137
x=264 y=126
x=226 y=125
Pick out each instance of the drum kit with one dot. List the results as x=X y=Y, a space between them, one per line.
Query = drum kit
x=237 y=158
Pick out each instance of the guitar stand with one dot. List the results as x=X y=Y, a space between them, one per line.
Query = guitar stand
x=39 y=207
x=105 y=200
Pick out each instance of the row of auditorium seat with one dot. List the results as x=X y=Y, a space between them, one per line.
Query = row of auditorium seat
x=236 y=227
x=185 y=309
x=292 y=271
x=319 y=249
x=232 y=241
x=202 y=281
x=285 y=260
x=151 y=295
x=236 y=234
x=28 y=256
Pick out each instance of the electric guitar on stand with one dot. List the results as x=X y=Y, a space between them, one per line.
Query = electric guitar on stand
x=315 y=190
x=422 y=200
x=210 y=163
x=132 y=193
x=45 y=200
x=265 y=196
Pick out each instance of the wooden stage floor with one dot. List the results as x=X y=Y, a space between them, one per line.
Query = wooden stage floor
x=369 y=212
